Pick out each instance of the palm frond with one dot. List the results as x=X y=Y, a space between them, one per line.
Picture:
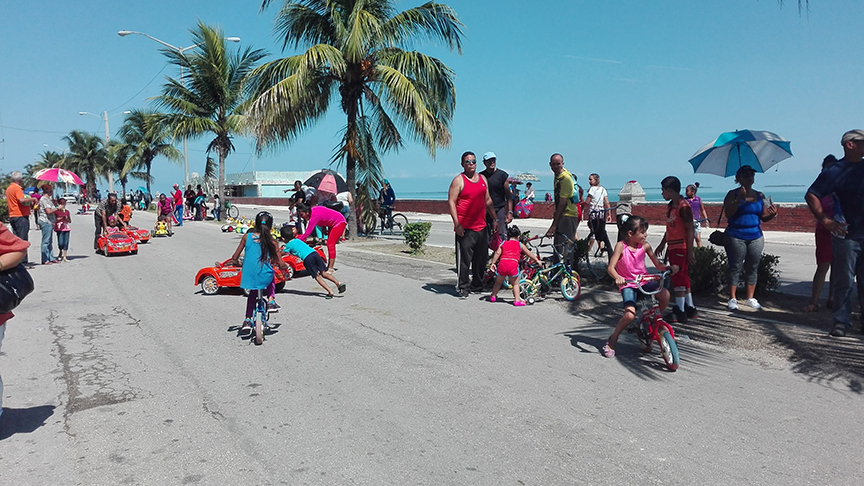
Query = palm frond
x=434 y=21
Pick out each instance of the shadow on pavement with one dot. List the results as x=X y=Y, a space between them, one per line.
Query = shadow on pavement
x=23 y=420
x=441 y=288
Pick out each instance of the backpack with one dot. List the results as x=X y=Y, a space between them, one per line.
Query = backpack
x=577 y=198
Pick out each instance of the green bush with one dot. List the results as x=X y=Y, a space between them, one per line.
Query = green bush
x=4 y=211
x=711 y=272
x=416 y=234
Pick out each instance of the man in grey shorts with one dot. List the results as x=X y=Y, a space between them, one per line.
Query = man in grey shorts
x=565 y=221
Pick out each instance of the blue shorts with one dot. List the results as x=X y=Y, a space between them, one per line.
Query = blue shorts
x=631 y=295
x=314 y=264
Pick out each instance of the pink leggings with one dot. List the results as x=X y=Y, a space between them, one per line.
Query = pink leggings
x=252 y=299
x=332 y=238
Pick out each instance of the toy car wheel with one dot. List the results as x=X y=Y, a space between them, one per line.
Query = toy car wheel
x=134 y=252
x=245 y=292
x=152 y=233
x=209 y=285
x=288 y=273
x=280 y=286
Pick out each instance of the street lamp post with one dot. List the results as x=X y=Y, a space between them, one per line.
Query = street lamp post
x=180 y=50
x=105 y=117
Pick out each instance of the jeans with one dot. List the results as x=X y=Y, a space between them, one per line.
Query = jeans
x=472 y=253
x=847 y=267
x=47 y=241
x=178 y=214
x=744 y=254
x=63 y=240
x=2 y=333
x=21 y=229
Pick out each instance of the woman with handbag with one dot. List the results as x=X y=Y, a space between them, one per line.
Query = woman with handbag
x=745 y=210
x=13 y=250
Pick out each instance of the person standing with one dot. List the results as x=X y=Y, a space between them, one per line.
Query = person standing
x=328 y=219
x=46 y=220
x=198 y=203
x=824 y=253
x=19 y=209
x=745 y=211
x=107 y=208
x=62 y=228
x=499 y=191
x=847 y=226
x=700 y=217
x=469 y=202
x=13 y=250
x=679 y=238
x=529 y=192
x=597 y=201
x=565 y=221
x=177 y=195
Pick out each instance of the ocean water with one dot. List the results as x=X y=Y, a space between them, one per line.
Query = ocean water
x=778 y=194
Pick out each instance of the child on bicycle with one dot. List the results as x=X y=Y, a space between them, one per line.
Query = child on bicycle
x=679 y=238
x=313 y=262
x=508 y=254
x=261 y=255
x=627 y=262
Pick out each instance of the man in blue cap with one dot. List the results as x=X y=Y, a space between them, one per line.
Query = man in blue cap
x=499 y=191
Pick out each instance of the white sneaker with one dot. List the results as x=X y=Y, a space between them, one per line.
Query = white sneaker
x=753 y=303
x=733 y=304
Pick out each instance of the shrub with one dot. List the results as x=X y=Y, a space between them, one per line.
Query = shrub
x=416 y=234
x=4 y=211
x=711 y=272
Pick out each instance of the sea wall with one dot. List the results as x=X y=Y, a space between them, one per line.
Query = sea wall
x=790 y=217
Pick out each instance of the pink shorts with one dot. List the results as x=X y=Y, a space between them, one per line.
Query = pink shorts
x=824 y=253
x=508 y=268
x=680 y=280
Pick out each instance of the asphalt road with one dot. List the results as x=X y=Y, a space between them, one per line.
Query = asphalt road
x=118 y=370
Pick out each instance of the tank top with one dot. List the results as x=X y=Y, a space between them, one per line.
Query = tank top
x=510 y=250
x=676 y=233
x=696 y=206
x=256 y=275
x=746 y=224
x=631 y=264
x=471 y=204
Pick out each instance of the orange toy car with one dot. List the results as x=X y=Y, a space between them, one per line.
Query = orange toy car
x=296 y=265
x=226 y=274
x=140 y=235
x=117 y=243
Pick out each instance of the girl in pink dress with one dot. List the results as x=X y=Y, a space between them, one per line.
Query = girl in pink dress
x=626 y=263
x=505 y=262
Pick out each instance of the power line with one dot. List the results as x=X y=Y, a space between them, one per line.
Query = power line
x=141 y=91
x=30 y=130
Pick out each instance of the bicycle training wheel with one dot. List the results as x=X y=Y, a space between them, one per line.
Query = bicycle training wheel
x=233 y=212
x=527 y=291
x=570 y=287
x=669 y=349
x=399 y=222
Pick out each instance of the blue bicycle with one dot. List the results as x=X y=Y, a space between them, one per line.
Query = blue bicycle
x=259 y=318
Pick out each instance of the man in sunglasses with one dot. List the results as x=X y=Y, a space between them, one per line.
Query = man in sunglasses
x=469 y=203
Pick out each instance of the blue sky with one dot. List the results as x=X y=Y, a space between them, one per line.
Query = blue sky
x=628 y=89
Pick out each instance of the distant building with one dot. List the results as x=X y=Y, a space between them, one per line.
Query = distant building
x=264 y=183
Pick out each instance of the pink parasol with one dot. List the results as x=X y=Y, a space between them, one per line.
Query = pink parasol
x=55 y=174
x=328 y=184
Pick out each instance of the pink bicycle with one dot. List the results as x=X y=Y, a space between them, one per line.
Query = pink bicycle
x=651 y=326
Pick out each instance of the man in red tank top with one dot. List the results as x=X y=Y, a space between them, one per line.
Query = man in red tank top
x=679 y=239
x=469 y=202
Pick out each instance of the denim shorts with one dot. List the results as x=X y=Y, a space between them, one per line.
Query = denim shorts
x=631 y=296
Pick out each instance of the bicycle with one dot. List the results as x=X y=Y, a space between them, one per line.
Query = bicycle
x=651 y=327
x=231 y=210
x=390 y=221
x=594 y=261
x=536 y=281
x=260 y=317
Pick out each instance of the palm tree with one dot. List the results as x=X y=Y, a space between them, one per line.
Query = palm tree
x=47 y=159
x=86 y=157
x=360 y=50
x=208 y=100
x=146 y=139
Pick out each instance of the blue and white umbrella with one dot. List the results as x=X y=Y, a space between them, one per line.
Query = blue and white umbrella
x=732 y=150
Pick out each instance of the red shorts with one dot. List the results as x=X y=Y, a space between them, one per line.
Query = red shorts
x=824 y=252
x=508 y=268
x=680 y=280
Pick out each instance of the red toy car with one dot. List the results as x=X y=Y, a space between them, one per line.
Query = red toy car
x=296 y=265
x=226 y=274
x=140 y=235
x=117 y=243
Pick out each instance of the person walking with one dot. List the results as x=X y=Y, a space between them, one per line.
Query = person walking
x=565 y=221
x=700 y=217
x=745 y=210
x=18 y=205
x=499 y=190
x=62 y=228
x=177 y=195
x=597 y=201
x=107 y=208
x=846 y=226
x=46 y=220
x=469 y=202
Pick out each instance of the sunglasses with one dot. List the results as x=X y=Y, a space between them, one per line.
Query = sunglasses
x=473 y=162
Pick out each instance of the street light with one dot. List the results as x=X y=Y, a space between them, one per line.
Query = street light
x=107 y=138
x=179 y=50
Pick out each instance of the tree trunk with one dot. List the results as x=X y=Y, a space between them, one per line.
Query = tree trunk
x=148 y=165
x=221 y=185
x=350 y=179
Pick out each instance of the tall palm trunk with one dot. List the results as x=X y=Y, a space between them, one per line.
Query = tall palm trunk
x=223 y=154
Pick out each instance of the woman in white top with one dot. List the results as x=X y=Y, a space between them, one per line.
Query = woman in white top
x=596 y=201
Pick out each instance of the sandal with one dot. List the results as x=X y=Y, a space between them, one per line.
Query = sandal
x=341 y=288
x=247 y=325
x=328 y=296
x=811 y=308
x=607 y=351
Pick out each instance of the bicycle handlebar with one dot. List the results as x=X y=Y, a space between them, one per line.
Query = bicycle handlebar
x=647 y=278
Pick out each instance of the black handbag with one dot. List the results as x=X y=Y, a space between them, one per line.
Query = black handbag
x=719 y=238
x=15 y=284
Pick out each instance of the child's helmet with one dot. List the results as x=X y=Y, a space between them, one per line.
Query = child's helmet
x=263 y=219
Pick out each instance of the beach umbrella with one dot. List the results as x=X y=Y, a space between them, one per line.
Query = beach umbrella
x=327 y=184
x=732 y=150
x=527 y=177
x=55 y=174
x=315 y=180
x=513 y=180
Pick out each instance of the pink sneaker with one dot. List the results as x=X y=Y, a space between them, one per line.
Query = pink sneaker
x=519 y=303
x=492 y=298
